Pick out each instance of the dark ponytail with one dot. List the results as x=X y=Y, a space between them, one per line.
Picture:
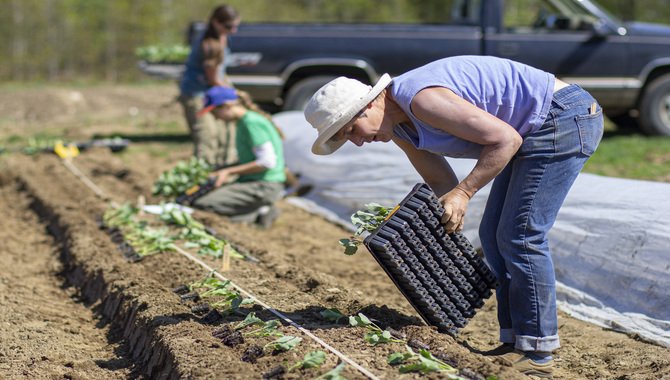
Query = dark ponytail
x=223 y=14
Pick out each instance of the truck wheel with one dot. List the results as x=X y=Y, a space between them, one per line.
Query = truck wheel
x=655 y=107
x=298 y=96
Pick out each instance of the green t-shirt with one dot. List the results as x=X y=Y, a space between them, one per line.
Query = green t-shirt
x=253 y=129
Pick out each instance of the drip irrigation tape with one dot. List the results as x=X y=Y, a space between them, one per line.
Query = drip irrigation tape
x=83 y=178
x=279 y=315
x=101 y=194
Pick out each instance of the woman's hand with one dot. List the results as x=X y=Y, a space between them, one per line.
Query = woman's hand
x=455 y=204
x=221 y=177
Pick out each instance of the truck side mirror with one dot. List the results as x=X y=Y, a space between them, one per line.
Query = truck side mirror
x=599 y=28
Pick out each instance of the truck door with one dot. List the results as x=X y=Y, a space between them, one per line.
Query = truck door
x=561 y=37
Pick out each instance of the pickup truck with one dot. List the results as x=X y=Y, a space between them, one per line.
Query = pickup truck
x=625 y=65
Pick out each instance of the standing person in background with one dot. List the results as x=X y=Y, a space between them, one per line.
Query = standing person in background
x=206 y=67
x=528 y=130
x=260 y=170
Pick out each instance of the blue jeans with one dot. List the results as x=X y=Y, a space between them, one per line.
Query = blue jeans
x=521 y=209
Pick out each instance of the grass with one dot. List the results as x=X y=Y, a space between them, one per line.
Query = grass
x=629 y=154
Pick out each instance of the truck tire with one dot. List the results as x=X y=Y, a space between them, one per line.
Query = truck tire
x=655 y=107
x=300 y=93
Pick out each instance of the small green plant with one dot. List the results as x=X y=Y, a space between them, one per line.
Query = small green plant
x=334 y=374
x=375 y=335
x=40 y=144
x=228 y=300
x=332 y=315
x=207 y=244
x=423 y=362
x=181 y=218
x=269 y=328
x=183 y=176
x=365 y=221
x=196 y=234
x=313 y=359
x=119 y=216
x=148 y=241
x=284 y=343
x=250 y=320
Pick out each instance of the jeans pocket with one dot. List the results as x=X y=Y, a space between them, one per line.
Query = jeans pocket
x=590 y=131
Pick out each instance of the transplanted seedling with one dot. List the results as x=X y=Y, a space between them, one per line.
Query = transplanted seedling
x=332 y=315
x=269 y=328
x=180 y=218
x=284 y=343
x=365 y=221
x=119 y=216
x=250 y=320
x=148 y=241
x=228 y=301
x=375 y=334
x=196 y=234
x=333 y=374
x=423 y=362
x=313 y=359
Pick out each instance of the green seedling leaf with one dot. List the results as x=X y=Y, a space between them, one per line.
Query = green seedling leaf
x=366 y=220
x=313 y=359
x=333 y=374
x=331 y=315
x=350 y=245
x=184 y=175
x=270 y=328
x=250 y=320
x=423 y=362
x=398 y=358
x=375 y=336
x=359 y=320
x=283 y=343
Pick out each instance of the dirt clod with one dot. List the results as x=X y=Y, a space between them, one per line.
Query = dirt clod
x=181 y=289
x=212 y=317
x=233 y=339
x=200 y=309
x=190 y=297
x=252 y=353
x=275 y=373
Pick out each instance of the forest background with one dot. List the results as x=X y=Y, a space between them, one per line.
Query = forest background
x=96 y=40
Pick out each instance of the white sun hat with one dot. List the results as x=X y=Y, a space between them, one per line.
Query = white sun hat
x=337 y=103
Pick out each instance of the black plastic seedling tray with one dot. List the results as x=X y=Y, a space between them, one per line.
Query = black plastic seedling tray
x=440 y=274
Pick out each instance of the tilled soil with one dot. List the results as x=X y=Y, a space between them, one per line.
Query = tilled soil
x=74 y=307
x=47 y=330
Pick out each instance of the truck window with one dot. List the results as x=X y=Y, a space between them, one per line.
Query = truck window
x=546 y=15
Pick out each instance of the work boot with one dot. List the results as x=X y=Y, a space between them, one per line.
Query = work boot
x=522 y=363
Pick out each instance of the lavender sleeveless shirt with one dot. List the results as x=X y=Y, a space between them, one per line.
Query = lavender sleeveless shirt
x=514 y=92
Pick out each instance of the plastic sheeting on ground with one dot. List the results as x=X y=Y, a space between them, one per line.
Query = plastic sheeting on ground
x=610 y=243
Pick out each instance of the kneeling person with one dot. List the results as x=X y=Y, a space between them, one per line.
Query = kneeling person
x=260 y=169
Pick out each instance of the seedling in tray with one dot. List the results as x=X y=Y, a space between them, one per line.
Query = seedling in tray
x=365 y=221
x=183 y=176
